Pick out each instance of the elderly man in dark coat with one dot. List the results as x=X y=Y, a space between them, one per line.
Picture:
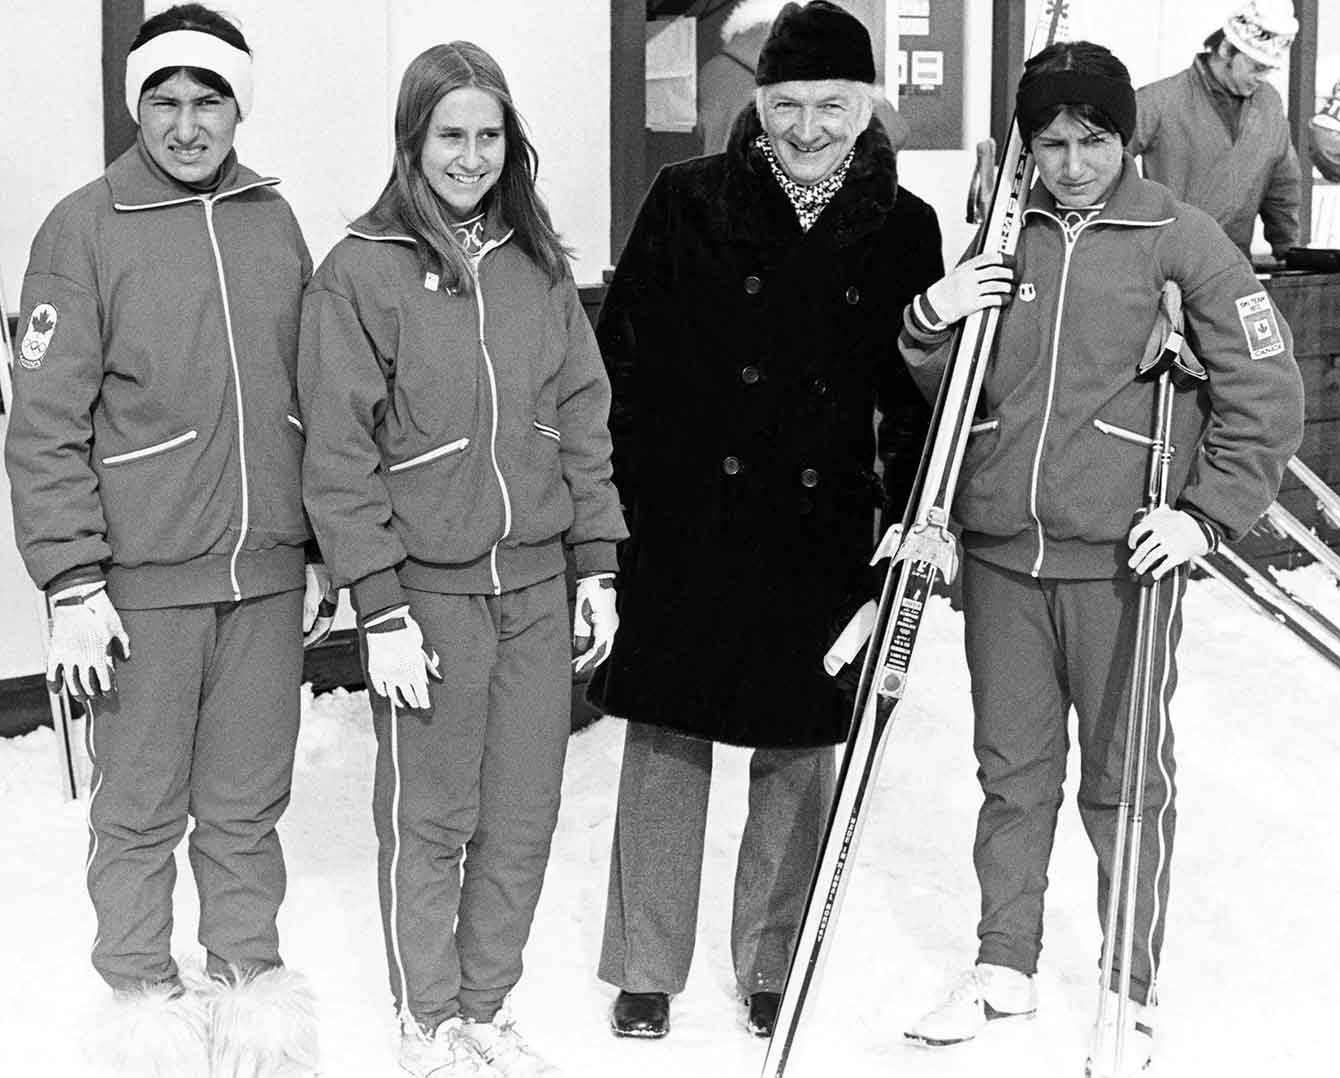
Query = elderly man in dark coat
x=749 y=332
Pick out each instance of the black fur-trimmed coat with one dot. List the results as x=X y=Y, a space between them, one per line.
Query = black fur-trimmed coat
x=746 y=359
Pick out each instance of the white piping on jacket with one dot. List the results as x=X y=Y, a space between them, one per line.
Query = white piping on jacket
x=152 y=450
x=432 y=454
x=493 y=434
x=208 y=201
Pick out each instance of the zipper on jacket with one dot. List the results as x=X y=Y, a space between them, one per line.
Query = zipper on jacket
x=151 y=450
x=432 y=454
x=493 y=433
x=1051 y=392
x=237 y=394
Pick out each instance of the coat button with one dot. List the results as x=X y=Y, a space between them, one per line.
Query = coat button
x=749 y=375
x=809 y=478
x=753 y=285
x=820 y=386
x=731 y=465
x=853 y=295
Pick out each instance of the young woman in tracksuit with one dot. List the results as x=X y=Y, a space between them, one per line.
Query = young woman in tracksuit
x=155 y=453
x=457 y=406
x=1050 y=484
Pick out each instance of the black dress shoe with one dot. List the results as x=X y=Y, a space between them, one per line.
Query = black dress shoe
x=763 y=1012
x=641 y=1014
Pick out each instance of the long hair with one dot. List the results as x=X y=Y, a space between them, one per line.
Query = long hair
x=409 y=203
x=1085 y=58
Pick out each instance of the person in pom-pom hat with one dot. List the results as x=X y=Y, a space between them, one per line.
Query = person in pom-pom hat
x=1216 y=133
x=154 y=454
x=749 y=331
x=1111 y=272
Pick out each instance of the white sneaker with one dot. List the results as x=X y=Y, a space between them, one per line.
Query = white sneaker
x=445 y=1053
x=504 y=1049
x=984 y=994
x=1137 y=1048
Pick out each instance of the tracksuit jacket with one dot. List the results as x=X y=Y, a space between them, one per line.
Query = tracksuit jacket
x=1188 y=148
x=1049 y=486
x=456 y=441
x=155 y=434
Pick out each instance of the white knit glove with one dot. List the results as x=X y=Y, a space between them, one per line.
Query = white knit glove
x=318 y=604
x=83 y=625
x=399 y=662
x=1163 y=539
x=595 y=621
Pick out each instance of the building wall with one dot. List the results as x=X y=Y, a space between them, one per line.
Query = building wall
x=326 y=78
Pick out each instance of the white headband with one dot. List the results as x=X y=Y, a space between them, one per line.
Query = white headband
x=189 y=48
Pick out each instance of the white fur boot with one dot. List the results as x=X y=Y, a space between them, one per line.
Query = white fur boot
x=158 y=1031
x=263 y=1025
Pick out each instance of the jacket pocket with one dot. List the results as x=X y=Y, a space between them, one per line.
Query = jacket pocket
x=431 y=455
x=185 y=438
x=1122 y=433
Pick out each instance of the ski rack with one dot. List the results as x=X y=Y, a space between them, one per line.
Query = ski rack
x=1263 y=594
x=924 y=550
x=1285 y=525
x=1328 y=501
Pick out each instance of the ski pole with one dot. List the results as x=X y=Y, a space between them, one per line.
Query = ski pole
x=1124 y=868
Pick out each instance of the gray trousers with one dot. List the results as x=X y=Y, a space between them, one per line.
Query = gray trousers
x=466 y=797
x=651 y=914
x=1037 y=648
x=203 y=723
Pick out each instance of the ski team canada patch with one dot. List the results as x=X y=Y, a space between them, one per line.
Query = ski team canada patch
x=1260 y=325
x=36 y=338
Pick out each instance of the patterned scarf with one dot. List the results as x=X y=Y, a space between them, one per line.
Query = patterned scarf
x=470 y=234
x=808 y=202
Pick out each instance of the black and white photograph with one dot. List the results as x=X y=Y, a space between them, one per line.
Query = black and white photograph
x=671 y=537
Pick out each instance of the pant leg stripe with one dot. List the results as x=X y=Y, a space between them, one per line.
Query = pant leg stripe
x=1173 y=609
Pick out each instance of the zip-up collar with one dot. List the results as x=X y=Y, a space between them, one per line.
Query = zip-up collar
x=136 y=183
x=1134 y=202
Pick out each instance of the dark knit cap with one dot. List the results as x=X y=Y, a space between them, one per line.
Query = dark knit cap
x=815 y=41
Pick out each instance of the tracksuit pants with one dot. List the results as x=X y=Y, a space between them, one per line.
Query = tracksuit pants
x=203 y=724
x=651 y=913
x=1035 y=649
x=466 y=797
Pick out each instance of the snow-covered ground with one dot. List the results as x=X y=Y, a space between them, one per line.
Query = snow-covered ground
x=1251 y=977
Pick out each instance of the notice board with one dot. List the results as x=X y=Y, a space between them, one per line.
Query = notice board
x=930 y=71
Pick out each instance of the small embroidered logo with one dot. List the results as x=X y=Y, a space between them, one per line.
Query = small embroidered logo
x=1028 y=292
x=37 y=337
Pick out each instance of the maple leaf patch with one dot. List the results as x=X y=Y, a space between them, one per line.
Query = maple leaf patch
x=37 y=337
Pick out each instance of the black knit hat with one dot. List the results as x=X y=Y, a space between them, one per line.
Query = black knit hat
x=815 y=41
